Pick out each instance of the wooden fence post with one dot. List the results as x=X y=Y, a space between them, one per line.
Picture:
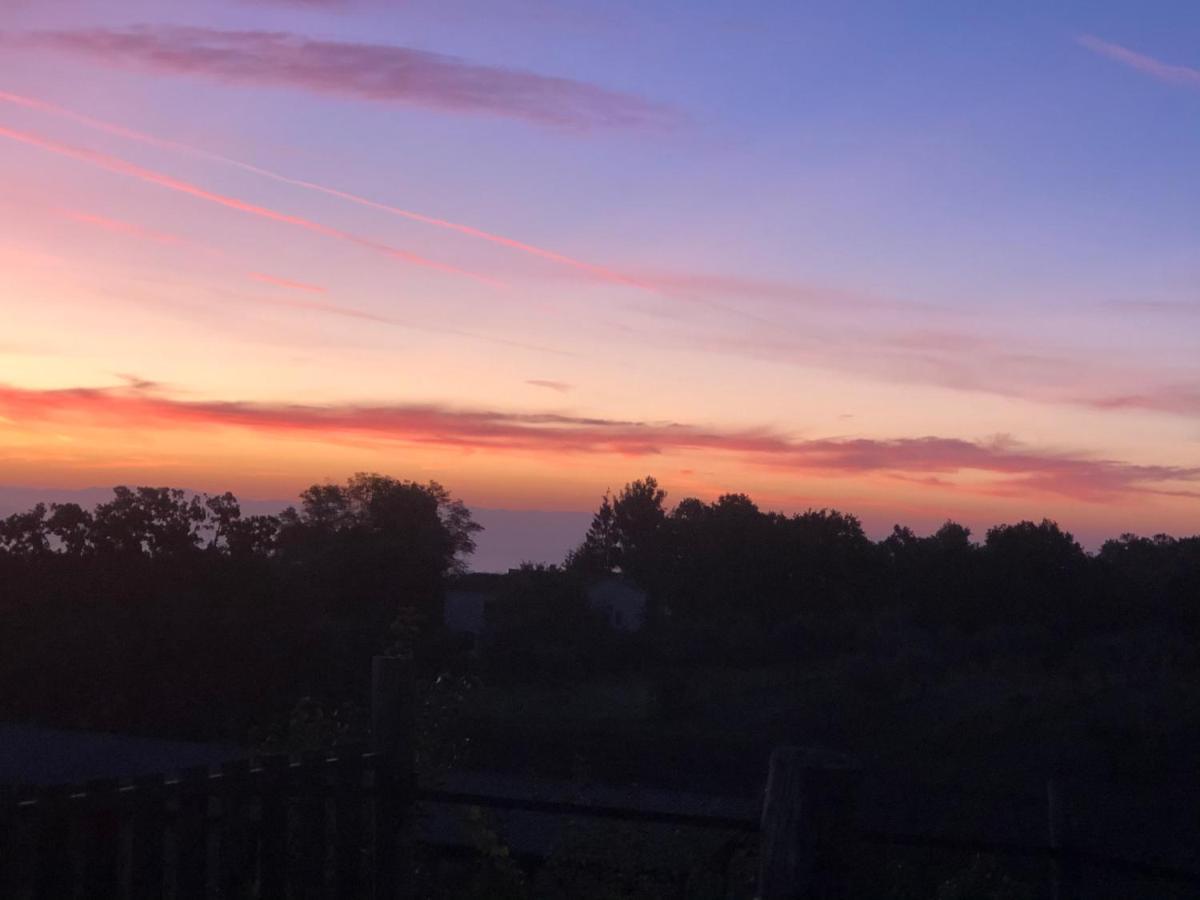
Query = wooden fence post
x=238 y=854
x=348 y=817
x=273 y=828
x=146 y=860
x=310 y=834
x=53 y=870
x=393 y=726
x=102 y=839
x=809 y=825
x=191 y=831
x=1063 y=873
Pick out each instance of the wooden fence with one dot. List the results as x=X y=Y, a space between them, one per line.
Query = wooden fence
x=344 y=825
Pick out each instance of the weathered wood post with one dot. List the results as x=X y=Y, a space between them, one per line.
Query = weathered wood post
x=146 y=862
x=348 y=815
x=101 y=839
x=191 y=872
x=273 y=828
x=809 y=825
x=53 y=873
x=393 y=727
x=1063 y=874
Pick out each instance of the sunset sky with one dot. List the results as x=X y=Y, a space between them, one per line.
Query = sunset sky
x=912 y=261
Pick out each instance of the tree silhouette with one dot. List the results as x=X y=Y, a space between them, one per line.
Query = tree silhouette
x=170 y=611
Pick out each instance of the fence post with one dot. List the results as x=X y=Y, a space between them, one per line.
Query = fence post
x=1063 y=873
x=348 y=817
x=146 y=862
x=191 y=869
x=273 y=828
x=53 y=870
x=393 y=725
x=808 y=825
x=102 y=839
x=238 y=847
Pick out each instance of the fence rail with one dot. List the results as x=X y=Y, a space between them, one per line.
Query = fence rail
x=593 y=811
x=343 y=825
x=280 y=828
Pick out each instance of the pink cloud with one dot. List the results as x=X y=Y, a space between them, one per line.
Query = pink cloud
x=1012 y=468
x=1180 y=399
x=376 y=72
x=123 y=167
x=1173 y=74
x=706 y=285
x=287 y=283
x=366 y=315
x=960 y=360
x=302 y=4
x=133 y=230
x=128 y=229
x=600 y=272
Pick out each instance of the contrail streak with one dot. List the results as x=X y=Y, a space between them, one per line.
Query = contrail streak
x=276 y=281
x=131 y=230
x=351 y=312
x=122 y=167
x=128 y=229
x=142 y=137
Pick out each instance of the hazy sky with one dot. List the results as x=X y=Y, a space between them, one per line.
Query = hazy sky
x=910 y=260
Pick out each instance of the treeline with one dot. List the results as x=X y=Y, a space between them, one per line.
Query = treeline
x=166 y=612
x=729 y=583
x=729 y=564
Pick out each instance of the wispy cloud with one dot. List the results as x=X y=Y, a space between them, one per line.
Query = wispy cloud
x=1180 y=399
x=1168 y=307
x=374 y=72
x=301 y=4
x=121 y=131
x=127 y=229
x=288 y=283
x=708 y=285
x=985 y=359
x=1168 y=72
x=560 y=386
x=123 y=167
x=138 y=383
x=1012 y=467
x=406 y=323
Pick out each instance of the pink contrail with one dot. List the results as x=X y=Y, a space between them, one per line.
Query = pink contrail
x=122 y=167
x=142 y=137
x=129 y=229
x=132 y=230
x=287 y=283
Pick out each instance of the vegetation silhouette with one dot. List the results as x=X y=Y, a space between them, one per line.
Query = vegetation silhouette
x=988 y=663
x=164 y=612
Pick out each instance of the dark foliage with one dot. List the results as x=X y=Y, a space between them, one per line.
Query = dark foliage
x=160 y=611
x=164 y=612
x=727 y=568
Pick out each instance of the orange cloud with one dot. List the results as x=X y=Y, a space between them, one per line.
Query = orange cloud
x=560 y=386
x=122 y=167
x=999 y=467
